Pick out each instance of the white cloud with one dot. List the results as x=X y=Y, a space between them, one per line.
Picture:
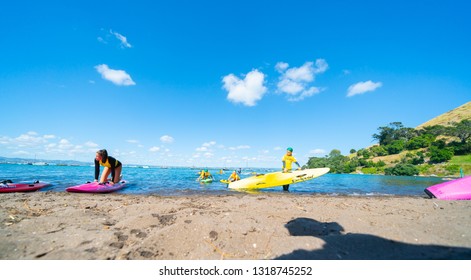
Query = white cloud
x=290 y=87
x=296 y=81
x=321 y=66
x=154 y=149
x=30 y=138
x=202 y=149
x=240 y=147
x=167 y=139
x=304 y=73
x=48 y=146
x=209 y=144
x=91 y=144
x=118 y=77
x=363 y=87
x=206 y=147
x=208 y=155
x=65 y=144
x=247 y=91
x=135 y=142
x=4 y=140
x=281 y=66
x=305 y=93
x=122 y=39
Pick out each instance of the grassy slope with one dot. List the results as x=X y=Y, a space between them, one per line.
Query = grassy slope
x=464 y=162
x=456 y=115
x=450 y=168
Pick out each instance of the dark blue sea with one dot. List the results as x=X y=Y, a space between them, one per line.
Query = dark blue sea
x=182 y=181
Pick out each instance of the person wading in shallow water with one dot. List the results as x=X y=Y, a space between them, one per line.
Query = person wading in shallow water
x=111 y=165
x=234 y=177
x=288 y=161
x=204 y=174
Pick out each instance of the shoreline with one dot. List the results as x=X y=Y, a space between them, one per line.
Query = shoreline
x=65 y=226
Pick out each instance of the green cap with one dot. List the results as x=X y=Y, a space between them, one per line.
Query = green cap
x=289 y=149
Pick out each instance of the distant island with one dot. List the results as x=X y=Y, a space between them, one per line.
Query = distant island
x=4 y=160
x=439 y=147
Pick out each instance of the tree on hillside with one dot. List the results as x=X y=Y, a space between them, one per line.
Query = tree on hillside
x=393 y=132
x=402 y=170
x=422 y=141
x=335 y=153
x=462 y=130
x=395 y=147
x=335 y=161
x=386 y=133
x=378 y=151
x=438 y=155
x=435 y=130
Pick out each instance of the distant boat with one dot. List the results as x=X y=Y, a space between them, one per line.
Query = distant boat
x=38 y=162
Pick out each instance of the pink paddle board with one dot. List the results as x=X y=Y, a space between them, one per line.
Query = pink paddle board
x=96 y=187
x=21 y=187
x=459 y=189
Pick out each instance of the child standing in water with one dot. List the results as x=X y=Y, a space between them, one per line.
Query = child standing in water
x=288 y=160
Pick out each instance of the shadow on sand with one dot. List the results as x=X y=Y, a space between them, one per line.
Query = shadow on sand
x=355 y=246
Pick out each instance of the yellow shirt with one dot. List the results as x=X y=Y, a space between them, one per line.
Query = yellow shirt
x=234 y=176
x=109 y=161
x=205 y=175
x=288 y=160
x=105 y=164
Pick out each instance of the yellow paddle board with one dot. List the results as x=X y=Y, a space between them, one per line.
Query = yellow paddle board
x=276 y=179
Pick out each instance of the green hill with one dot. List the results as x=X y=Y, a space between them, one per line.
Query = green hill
x=456 y=115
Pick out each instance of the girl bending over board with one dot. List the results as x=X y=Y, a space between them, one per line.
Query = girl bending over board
x=111 y=165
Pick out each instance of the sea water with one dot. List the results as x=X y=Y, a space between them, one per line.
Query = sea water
x=182 y=181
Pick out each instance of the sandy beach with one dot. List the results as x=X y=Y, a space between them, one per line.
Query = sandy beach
x=65 y=226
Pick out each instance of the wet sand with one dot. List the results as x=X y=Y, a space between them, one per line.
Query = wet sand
x=67 y=226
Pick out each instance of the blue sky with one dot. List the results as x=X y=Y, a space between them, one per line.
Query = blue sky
x=223 y=83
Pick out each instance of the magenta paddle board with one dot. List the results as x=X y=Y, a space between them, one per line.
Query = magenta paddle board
x=21 y=187
x=459 y=189
x=96 y=187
